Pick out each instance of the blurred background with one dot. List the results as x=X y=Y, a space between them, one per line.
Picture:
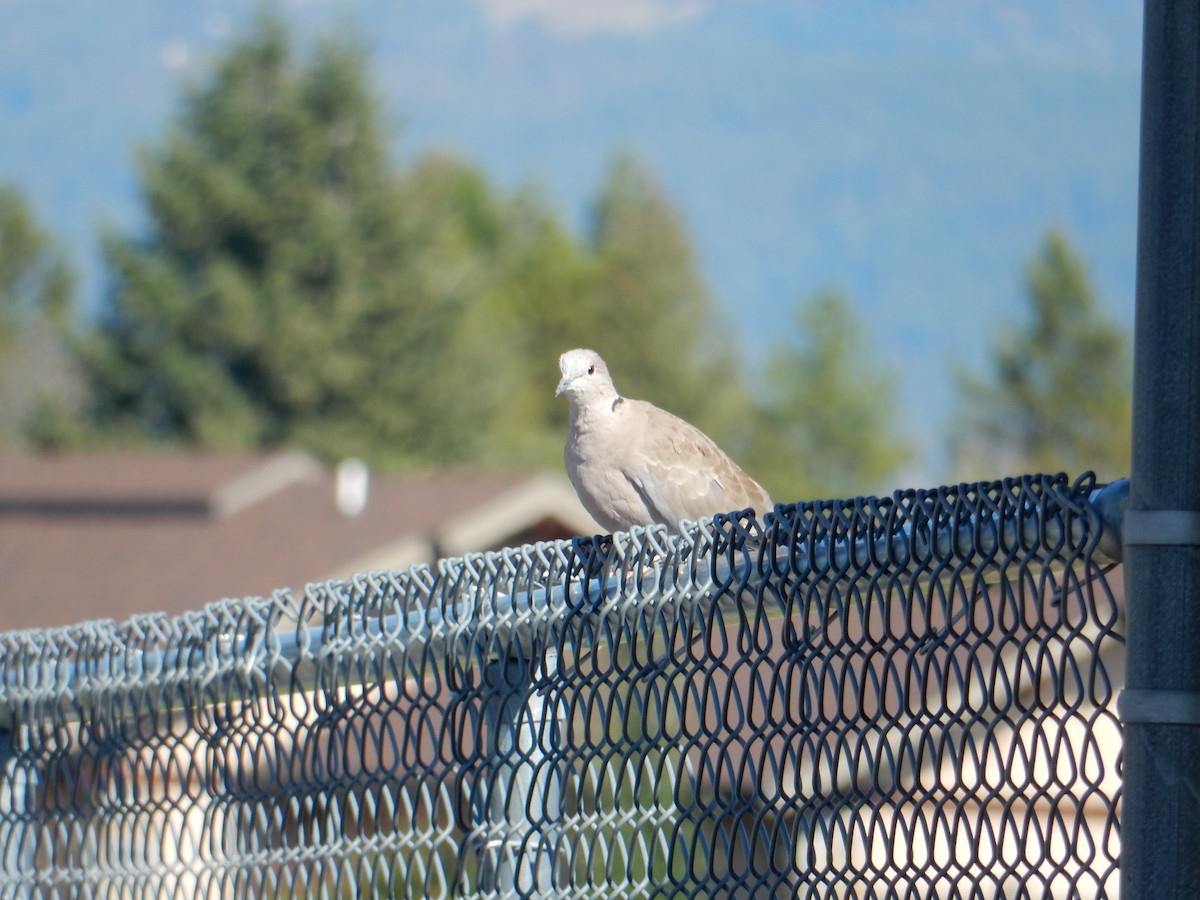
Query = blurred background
x=864 y=246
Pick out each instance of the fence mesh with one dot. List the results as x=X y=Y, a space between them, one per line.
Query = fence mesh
x=911 y=696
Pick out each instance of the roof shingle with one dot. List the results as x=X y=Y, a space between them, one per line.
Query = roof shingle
x=110 y=535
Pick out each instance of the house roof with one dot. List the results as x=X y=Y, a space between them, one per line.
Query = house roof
x=111 y=535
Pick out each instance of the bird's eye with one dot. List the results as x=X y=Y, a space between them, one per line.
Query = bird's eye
x=591 y=370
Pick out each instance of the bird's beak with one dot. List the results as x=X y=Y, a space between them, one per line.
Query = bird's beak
x=563 y=385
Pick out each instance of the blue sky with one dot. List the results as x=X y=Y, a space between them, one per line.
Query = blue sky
x=912 y=154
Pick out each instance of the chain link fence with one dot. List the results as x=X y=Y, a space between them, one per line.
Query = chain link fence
x=901 y=697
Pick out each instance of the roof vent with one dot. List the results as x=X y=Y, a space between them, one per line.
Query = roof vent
x=353 y=483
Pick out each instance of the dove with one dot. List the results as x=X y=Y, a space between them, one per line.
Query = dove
x=635 y=464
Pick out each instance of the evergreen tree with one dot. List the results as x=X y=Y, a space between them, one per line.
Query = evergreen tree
x=35 y=279
x=653 y=307
x=1059 y=393
x=286 y=291
x=540 y=301
x=826 y=424
x=36 y=284
x=631 y=290
x=293 y=288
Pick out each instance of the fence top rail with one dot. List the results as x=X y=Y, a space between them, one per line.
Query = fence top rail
x=523 y=597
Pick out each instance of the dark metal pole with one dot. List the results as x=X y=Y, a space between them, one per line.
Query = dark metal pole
x=1160 y=707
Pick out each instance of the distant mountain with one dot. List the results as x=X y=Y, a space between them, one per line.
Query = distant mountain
x=912 y=154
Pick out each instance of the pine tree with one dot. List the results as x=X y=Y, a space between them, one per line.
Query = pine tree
x=540 y=300
x=827 y=422
x=1059 y=393
x=294 y=288
x=36 y=286
x=286 y=291
x=631 y=290
x=35 y=279
x=654 y=318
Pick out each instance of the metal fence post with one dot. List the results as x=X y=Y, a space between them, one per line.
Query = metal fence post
x=1160 y=708
x=16 y=787
x=523 y=802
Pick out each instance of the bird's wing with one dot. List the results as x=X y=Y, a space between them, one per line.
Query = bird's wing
x=680 y=472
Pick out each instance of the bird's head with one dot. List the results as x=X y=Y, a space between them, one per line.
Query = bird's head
x=584 y=376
